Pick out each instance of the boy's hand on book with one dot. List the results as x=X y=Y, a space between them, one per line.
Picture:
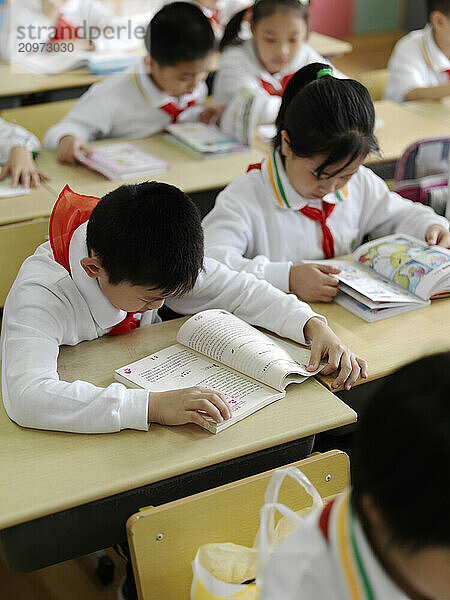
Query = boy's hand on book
x=437 y=235
x=314 y=283
x=188 y=405
x=69 y=148
x=22 y=168
x=325 y=343
x=211 y=114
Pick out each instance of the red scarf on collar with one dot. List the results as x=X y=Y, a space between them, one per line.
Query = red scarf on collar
x=70 y=211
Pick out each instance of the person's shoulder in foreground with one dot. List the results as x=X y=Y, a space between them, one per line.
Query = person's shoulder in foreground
x=109 y=265
x=389 y=536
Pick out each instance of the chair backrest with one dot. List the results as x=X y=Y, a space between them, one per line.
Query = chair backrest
x=163 y=540
x=37 y=118
x=375 y=81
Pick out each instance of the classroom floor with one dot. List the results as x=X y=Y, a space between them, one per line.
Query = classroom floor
x=75 y=579
x=71 y=580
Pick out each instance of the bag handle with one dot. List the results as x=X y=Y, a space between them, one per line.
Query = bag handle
x=266 y=533
x=275 y=483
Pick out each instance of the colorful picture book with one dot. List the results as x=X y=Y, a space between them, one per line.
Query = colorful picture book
x=217 y=350
x=122 y=160
x=235 y=133
x=392 y=275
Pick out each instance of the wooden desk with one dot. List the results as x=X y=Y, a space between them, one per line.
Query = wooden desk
x=19 y=82
x=393 y=342
x=44 y=473
x=328 y=46
x=189 y=173
x=438 y=111
x=23 y=226
x=401 y=128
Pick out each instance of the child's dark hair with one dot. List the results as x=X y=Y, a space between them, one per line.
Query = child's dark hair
x=442 y=6
x=261 y=9
x=326 y=115
x=148 y=234
x=179 y=32
x=401 y=454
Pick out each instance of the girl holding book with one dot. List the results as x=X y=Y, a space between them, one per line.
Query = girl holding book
x=266 y=61
x=312 y=198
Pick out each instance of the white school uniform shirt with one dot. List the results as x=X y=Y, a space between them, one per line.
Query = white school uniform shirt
x=307 y=567
x=21 y=14
x=416 y=62
x=47 y=307
x=240 y=67
x=125 y=104
x=252 y=229
x=12 y=135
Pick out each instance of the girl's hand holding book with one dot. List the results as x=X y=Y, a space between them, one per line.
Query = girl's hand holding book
x=188 y=405
x=314 y=283
x=324 y=344
x=437 y=235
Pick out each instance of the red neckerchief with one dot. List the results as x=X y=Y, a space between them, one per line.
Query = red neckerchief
x=316 y=215
x=325 y=518
x=70 y=211
x=322 y=215
x=171 y=109
x=448 y=73
x=64 y=30
x=271 y=90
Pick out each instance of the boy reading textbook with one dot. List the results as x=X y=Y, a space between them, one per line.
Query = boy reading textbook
x=392 y=275
x=108 y=266
x=219 y=351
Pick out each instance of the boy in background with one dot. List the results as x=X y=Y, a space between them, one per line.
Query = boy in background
x=419 y=68
x=108 y=267
x=388 y=538
x=167 y=85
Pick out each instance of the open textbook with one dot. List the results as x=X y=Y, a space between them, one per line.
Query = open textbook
x=235 y=133
x=98 y=63
x=122 y=160
x=217 y=350
x=392 y=275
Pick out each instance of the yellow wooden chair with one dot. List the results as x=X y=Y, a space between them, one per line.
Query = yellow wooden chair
x=37 y=118
x=164 y=539
x=375 y=81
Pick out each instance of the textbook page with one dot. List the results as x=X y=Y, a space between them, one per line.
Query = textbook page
x=179 y=367
x=7 y=190
x=410 y=263
x=223 y=337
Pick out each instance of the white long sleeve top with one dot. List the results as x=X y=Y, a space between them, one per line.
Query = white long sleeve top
x=307 y=567
x=126 y=104
x=416 y=62
x=24 y=22
x=12 y=135
x=47 y=307
x=250 y=229
x=240 y=67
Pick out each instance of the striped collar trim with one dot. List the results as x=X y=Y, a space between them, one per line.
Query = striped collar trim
x=358 y=583
x=283 y=192
x=433 y=55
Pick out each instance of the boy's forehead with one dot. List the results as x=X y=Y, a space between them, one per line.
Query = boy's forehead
x=192 y=66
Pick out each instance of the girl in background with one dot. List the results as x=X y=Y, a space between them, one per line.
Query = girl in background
x=266 y=61
x=312 y=198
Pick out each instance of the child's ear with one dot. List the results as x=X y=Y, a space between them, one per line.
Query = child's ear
x=285 y=144
x=92 y=266
x=148 y=62
x=437 y=20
